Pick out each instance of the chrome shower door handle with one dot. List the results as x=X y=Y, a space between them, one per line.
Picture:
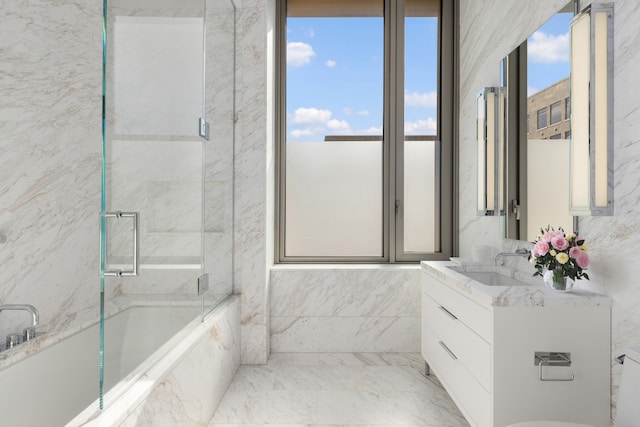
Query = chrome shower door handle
x=136 y=243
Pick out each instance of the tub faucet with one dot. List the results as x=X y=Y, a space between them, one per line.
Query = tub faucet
x=523 y=252
x=35 y=316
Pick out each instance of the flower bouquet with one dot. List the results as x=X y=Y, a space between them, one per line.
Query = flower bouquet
x=559 y=258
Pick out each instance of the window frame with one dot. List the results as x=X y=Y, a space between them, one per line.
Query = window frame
x=393 y=141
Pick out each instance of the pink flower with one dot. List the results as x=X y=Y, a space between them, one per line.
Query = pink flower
x=541 y=248
x=582 y=260
x=575 y=252
x=549 y=235
x=560 y=243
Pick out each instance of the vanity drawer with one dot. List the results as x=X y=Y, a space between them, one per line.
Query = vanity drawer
x=472 y=399
x=476 y=317
x=472 y=351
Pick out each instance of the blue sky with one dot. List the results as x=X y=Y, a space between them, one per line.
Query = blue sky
x=335 y=73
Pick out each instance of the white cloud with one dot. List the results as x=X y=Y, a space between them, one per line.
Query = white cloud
x=373 y=131
x=311 y=115
x=362 y=113
x=300 y=133
x=532 y=90
x=299 y=53
x=421 y=127
x=330 y=63
x=415 y=99
x=547 y=48
x=341 y=125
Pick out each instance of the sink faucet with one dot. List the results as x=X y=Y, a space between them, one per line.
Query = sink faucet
x=35 y=316
x=523 y=252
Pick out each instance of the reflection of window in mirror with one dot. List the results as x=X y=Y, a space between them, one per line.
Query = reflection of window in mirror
x=548 y=72
x=537 y=80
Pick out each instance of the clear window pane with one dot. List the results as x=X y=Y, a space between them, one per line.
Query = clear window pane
x=567 y=108
x=556 y=112
x=334 y=130
x=542 y=118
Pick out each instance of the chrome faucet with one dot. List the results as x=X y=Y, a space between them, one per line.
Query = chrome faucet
x=27 y=333
x=35 y=316
x=523 y=252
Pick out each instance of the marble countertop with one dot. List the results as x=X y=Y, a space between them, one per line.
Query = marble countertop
x=534 y=294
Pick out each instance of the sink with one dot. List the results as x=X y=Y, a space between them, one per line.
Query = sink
x=489 y=276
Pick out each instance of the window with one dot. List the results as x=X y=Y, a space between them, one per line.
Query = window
x=556 y=112
x=365 y=131
x=542 y=118
x=556 y=136
x=567 y=135
x=567 y=108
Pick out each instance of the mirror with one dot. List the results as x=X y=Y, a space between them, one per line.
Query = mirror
x=537 y=116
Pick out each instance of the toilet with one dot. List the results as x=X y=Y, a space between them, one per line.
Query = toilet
x=628 y=413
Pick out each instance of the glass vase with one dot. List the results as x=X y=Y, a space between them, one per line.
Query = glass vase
x=556 y=280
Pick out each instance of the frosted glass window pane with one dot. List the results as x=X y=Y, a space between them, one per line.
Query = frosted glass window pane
x=157 y=75
x=554 y=155
x=334 y=198
x=420 y=207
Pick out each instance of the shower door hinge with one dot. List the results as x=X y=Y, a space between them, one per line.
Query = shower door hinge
x=203 y=128
x=203 y=284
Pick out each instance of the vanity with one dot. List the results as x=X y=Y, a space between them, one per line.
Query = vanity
x=507 y=349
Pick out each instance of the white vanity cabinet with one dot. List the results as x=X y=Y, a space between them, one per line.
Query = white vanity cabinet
x=481 y=342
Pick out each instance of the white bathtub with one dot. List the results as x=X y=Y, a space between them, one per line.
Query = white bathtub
x=59 y=384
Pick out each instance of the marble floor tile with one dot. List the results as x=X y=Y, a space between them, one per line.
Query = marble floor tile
x=337 y=390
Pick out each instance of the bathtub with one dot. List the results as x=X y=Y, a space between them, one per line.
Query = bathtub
x=58 y=385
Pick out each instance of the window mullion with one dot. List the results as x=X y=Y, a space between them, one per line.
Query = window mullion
x=398 y=130
x=390 y=133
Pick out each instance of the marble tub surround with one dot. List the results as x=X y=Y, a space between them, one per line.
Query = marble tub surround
x=345 y=308
x=185 y=386
x=536 y=294
x=313 y=389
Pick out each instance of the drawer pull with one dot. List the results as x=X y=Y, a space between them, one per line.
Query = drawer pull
x=450 y=314
x=449 y=352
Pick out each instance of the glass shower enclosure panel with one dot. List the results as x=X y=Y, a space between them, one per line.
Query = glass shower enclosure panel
x=220 y=112
x=152 y=250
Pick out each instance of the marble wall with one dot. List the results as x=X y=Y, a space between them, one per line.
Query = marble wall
x=253 y=253
x=50 y=91
x=345 y=309
x=614 y=240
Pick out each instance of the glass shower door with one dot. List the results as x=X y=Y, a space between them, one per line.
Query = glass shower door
x=152 y=218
